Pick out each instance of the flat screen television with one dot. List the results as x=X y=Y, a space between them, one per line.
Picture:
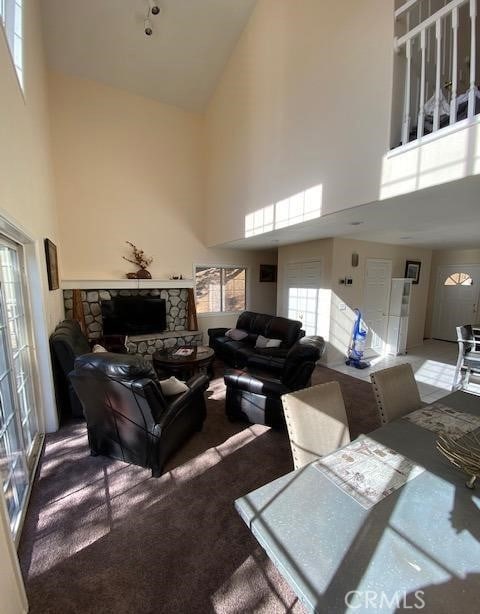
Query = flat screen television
x=134 y=315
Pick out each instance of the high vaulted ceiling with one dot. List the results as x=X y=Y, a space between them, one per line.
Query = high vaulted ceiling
x=179 y=64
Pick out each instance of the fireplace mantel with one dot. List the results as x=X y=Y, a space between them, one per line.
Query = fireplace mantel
x=125 y=284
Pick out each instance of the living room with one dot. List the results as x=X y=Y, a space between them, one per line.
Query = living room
x=190 y=143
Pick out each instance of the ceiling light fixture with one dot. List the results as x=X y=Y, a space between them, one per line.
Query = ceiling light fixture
x=148 y=27
x=153 y=9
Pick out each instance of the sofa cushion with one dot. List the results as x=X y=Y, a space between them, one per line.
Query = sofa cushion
x=236 y=334
x=245 y=320
x=263 y=342
x=286 y=330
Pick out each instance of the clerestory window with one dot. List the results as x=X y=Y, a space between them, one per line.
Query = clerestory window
x=12 y=22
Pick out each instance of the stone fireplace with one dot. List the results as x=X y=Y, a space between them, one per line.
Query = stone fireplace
x=176 y=300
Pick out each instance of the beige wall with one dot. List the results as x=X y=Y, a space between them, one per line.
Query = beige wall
x=446 y=256
x=336 y=257
x=130 y=168
x=27 y=199
x=26 y=186
x=353 y=295
x=304 y=100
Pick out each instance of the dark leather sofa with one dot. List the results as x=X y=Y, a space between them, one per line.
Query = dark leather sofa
x=241 y=353
x=66 y=343
x=255 y=396
x=128 y=417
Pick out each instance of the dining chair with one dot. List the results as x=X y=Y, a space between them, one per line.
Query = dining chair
x=316 y=422
x=396 y=392
x=468 y=361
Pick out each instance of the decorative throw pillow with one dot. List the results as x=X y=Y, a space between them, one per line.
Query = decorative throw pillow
x=97 y=348
x=236 y=334
x=274 y=343
x=172 y=386
x=263 y=342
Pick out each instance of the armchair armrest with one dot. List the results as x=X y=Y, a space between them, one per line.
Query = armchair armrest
x=216 y=332
x=242 y=380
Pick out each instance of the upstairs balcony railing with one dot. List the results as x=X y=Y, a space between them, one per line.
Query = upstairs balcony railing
x=437 y=42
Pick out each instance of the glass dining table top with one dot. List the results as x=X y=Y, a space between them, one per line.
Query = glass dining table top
x=417 y=548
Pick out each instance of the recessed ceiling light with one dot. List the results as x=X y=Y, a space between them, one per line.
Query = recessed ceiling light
x=355 y=223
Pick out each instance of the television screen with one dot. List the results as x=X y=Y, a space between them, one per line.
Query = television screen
x=134 y=315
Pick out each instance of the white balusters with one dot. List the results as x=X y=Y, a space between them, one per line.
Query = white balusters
x=436 y=62
x=406 y=110
x=473 y=54
x=438 y=72
x=421 y=111
x=453 y=97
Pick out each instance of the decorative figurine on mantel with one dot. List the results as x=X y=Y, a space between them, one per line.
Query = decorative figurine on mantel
x=139 y=259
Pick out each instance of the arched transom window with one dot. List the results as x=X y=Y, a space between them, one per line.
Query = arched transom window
x=458 y=279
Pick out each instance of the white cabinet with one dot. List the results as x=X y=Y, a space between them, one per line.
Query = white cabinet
x=399 y=311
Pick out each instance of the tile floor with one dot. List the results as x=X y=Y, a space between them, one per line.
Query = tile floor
x=433 y=363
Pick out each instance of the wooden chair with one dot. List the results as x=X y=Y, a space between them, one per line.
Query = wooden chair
x=316 y=422
x=468 y=361
x=396 y=392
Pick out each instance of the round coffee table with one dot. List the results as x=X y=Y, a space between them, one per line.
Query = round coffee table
x=170 y=362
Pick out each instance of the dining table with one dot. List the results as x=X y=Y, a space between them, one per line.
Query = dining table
x=413 y=545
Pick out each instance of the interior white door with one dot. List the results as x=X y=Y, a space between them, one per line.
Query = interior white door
x=456 y=299
x=303 y=283
x=376 y=299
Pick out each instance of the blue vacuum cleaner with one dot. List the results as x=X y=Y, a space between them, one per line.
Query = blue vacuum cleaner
x=357 y=343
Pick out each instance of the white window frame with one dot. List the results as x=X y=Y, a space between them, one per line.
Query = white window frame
x=223 y=266
x=11 y=19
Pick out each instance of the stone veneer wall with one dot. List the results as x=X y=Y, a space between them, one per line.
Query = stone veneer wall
x=146 y=345
x=175 y=304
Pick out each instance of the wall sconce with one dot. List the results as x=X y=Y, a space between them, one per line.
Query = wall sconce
x=354 y=259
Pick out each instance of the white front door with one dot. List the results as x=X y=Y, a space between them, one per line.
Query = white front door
x=376 y=298
x=456 y=299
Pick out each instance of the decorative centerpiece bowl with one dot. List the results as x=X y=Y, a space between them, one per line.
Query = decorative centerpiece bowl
x=463 y=453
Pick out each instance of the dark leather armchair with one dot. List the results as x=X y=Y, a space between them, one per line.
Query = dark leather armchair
x=67 y=342
x=255 y=396
x=128 y=418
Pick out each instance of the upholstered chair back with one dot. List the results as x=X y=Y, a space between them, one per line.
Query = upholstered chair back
x=316 y=421
x=396 y=392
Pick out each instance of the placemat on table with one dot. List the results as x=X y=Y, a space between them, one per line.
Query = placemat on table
x=368 y=471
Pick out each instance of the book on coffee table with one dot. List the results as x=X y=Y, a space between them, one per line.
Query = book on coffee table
x=183 y=352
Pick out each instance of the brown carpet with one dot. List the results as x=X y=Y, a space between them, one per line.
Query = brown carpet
x=102 y=536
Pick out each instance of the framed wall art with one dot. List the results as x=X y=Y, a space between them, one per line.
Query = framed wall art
x=52 y=264
x=412 y=270
x=268 y=272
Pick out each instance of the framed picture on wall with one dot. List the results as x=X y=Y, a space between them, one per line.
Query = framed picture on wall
x=268 y=272
x=52 y=264
x=412 y=270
